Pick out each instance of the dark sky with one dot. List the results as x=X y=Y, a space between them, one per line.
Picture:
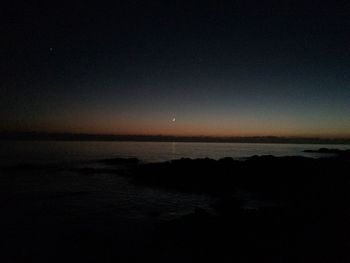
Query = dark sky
x=244 y=68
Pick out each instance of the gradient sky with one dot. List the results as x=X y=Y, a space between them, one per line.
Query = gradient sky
x=244 y=69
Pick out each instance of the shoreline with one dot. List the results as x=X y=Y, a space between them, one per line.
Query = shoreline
x=262 y=209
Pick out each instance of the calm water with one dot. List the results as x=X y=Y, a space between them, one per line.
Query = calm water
x=53 y=151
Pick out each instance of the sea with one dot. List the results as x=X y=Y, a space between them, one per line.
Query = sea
x=27 y=152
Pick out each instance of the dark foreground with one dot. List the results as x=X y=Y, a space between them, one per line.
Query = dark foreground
x=265 y=209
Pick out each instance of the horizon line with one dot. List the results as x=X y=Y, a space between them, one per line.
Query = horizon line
x=73 y=136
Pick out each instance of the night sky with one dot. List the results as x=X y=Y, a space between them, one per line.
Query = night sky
x=248 y=68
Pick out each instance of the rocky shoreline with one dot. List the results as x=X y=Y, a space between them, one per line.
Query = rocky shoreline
x=307 y=221
x=266 y=209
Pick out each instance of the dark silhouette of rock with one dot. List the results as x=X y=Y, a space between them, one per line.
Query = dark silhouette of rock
x=329 y=151
x=307 y=221
x=266 y=209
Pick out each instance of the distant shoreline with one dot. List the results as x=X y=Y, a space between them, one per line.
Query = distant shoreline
x=41 y=136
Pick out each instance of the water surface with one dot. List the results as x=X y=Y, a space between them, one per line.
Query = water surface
x=15 y=152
